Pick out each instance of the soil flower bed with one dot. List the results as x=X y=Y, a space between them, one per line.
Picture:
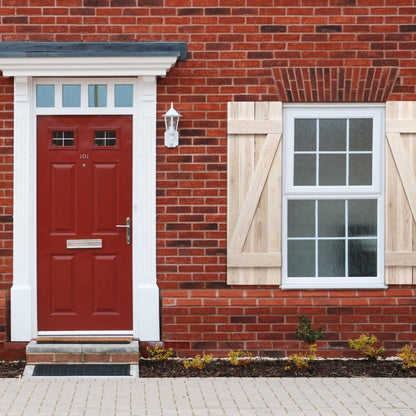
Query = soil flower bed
x=257 y=368
x=276 y=368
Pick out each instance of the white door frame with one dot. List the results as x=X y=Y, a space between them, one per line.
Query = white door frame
x=145 y=291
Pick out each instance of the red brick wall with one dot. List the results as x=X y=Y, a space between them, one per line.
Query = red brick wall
x=264 y=321
x=289 y=50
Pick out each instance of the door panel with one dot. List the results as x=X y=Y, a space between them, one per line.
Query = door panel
x=84 y=190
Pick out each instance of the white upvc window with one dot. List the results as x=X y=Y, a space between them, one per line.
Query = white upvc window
x=333 y=200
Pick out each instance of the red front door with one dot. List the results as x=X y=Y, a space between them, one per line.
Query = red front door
x=83 y=192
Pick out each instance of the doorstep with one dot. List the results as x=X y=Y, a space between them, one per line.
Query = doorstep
x=43 y=353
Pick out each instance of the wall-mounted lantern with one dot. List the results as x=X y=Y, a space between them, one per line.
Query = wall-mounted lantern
x=171 y=123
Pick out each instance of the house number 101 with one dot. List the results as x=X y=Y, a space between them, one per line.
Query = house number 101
x=84 y=156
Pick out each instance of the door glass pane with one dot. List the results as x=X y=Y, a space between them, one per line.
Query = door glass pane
x=332 y=170
x=362 y=257
x=301 y=218
x=332 y=135
x=361 y=134
x=45 y=96
x=105 y=138
x=304 y=170
x=71 y=95
x=301 y=258
x=97 y=95
x=124 y=95
x=362 y=217
x=331 y=218
x=361 y=169
x=305 y=135
x=331 y=258
x=62 y=138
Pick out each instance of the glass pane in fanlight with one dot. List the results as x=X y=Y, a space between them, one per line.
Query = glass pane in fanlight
x=71 y=95
x=45 y=96
x=124 y=95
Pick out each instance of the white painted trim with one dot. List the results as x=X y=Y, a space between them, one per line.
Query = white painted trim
x=146 y=322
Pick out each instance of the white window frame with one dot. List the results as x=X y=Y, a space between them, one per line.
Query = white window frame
x=376 y=191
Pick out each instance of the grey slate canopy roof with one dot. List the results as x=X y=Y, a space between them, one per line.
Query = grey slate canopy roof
x=68 y=49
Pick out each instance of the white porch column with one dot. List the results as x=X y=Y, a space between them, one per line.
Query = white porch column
x=145 y=289
x=23 y=298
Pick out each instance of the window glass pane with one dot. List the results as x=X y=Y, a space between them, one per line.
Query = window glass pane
x=304 y=170
x=97 y=95
x=124 y=95
x=361 y=169
x=362 y=257
x=331 y=218
x=301 y=258
x=332 y=170
x=305 y=135
x=45 y=96
x=331 y=258
x=301 y=218
x=332 y=135
x=71 y=95
x=361 y=134
x=362 y=217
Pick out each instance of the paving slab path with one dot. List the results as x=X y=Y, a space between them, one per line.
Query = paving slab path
x=207 y=396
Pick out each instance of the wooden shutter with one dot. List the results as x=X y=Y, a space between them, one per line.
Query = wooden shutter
x=400 y=227
x=254 y=192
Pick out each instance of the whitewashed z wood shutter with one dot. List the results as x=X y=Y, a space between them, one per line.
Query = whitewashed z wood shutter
x=400 y=227
x=254 y=144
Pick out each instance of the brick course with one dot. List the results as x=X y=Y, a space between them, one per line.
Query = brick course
x=288 y=50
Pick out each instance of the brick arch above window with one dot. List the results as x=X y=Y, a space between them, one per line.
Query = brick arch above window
x=328 y=84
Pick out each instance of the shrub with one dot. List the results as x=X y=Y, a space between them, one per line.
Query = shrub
x=408 y=357
x=364 y=345
x=159 y=354
x=198 y=363
x=306 y=333
x=303 y=361
x=240 y=357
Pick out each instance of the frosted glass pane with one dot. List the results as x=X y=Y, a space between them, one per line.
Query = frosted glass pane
x=305 y=135
x=124 y=95
x=361 y=169
x=301 y=218
x=301 y=258
x=362 y=217
x=362 y=257
x=332 y=135
x=331 y=258
x=331 y=218
x=45 y=96
x=361 y=134
x=304 y=170
x=332 y=170
x=71 y=96
x=97 y=95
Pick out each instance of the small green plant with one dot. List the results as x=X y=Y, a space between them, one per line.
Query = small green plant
x=303 y=361
x=306 y=333
x=198 y=362
x=408 y=357
x=240 y=358
x=159 y=354
x=365 y=346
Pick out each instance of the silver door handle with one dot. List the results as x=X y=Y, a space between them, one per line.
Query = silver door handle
x=127 y=226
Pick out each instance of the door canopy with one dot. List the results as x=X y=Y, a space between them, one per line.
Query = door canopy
x=89 y=58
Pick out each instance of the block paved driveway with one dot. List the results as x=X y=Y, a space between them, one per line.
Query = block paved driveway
x=207 y=396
